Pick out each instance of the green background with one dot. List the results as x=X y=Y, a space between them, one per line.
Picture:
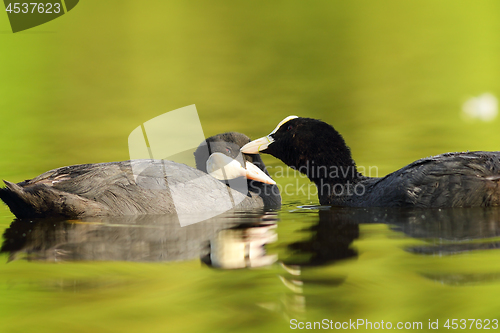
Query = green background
x=390 y=75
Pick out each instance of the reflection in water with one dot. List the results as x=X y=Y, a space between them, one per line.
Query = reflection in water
x=442 y=231
x=331 y=239
x=446 y=231
x=328 y=240
x=242 y=246
x=237 y=240
x=455 y=231
x=462 y=279
x=145 y=238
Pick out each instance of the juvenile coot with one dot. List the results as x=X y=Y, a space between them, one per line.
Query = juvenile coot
x=146 y=186
x=316 y=149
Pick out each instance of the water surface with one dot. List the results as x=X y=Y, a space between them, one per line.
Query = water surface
x=391 y=76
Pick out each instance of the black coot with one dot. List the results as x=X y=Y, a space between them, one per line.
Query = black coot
x=146 y=186
x=316 y=149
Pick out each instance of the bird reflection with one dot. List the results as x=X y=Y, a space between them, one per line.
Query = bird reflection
x=237 y=240
x=452 y=231
x=442 y=232
x=145 y=239
x=445 y=231
x=331 y=239
x=242 y=246
x=326 y=241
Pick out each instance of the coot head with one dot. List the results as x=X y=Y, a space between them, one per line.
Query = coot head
x=220 y=156
x=308 y=145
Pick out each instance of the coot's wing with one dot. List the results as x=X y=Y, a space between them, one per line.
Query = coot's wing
x=447 y=180
x=111 y=189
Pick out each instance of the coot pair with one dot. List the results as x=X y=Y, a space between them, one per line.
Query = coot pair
x=467 y=179
x=148 y=186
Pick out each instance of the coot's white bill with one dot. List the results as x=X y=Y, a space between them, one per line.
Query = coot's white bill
x=223 y=167
x=255 y=146
x=262 y=143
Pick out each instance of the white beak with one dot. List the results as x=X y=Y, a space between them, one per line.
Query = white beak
x=261 y=144
x=223 y=167
x=255 y=146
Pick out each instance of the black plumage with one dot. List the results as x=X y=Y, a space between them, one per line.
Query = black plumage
x=467 y=179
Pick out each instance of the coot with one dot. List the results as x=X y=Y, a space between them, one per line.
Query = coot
x=147 y=186
x=316 y=149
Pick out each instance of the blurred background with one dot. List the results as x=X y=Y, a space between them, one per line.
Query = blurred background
x=399 y=80
x=392 y=77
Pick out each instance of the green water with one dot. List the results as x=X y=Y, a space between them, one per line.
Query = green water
x=391 y=76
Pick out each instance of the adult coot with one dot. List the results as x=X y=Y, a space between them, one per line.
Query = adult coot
x=148 y=186
x=316 y=149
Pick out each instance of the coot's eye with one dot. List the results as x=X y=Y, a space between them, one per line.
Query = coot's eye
x=289 y=127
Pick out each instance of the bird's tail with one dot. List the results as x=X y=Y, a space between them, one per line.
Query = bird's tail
x=23 y=204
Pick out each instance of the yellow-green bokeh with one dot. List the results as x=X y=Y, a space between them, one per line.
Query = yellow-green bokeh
x=390 y=75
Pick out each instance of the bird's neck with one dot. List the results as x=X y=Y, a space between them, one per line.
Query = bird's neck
x=336 y=179
x=324 y=170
